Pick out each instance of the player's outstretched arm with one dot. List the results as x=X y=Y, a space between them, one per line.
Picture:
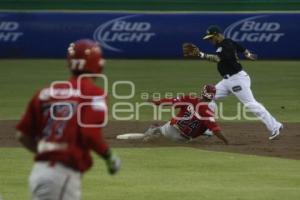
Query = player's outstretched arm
x=192 y=51
x=164 y=101
x=221 y=136
x=211 y=57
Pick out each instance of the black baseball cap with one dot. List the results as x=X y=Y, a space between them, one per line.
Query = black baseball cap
x=212 y=31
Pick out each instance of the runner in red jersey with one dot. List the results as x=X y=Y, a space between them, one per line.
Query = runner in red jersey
x=62 y=125
x=194 y=118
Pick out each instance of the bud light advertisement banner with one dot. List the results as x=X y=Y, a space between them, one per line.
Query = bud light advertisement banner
x=150 y=35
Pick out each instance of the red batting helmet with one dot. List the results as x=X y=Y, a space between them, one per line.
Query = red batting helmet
x=85 y=56
x=208 y=92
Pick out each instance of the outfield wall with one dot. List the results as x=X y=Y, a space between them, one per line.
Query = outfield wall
x=145 y=35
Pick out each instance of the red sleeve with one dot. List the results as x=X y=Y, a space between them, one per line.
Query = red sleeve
x=168 y=101
x=210 y=121
x=212 y=125
x=172 y=101
x=93 y=116
x=27 y=123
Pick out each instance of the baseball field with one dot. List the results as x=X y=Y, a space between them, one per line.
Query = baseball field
x=251 y=167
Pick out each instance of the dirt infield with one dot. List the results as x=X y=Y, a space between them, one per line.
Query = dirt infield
x=246 y=137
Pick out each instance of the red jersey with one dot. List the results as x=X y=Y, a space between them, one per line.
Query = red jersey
x=194 y=116
x=66 y=124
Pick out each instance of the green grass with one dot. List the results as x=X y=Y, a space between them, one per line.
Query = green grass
x=170 y=173
x=163 y=173
x=275 y=83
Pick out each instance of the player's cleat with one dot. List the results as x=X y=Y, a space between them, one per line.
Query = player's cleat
x=276 y=133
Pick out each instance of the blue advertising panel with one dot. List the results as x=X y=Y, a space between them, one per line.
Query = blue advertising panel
x=140 y=35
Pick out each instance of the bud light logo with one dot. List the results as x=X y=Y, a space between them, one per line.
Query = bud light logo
x=9 y=31
x=123 y=30
x=254 y=29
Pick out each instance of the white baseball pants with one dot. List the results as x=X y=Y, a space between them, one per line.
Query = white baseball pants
x=54 y=182
x=240 y=85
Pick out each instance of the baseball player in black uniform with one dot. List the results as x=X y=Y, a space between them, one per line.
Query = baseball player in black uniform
x=235 y=80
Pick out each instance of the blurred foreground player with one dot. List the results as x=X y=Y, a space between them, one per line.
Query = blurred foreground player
x=62 y=124
x=194 y=118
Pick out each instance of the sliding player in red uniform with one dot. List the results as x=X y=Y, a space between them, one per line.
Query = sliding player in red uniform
x=62 y=125
x=194 y=118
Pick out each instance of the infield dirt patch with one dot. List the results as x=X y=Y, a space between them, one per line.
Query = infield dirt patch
x=244 y=137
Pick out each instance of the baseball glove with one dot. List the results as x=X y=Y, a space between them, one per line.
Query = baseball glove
x=190 y=50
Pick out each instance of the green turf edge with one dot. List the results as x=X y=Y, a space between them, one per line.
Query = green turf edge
x=175 y=173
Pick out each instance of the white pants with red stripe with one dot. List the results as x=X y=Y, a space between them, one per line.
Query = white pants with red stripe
x=170 y=132
x=240 y=85
x=174 y=134
x=55 y=182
